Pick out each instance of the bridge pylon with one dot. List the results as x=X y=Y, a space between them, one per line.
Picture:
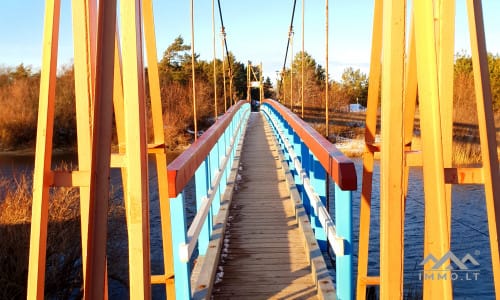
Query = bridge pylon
x=421 y=62
x=254 y=80
x=109 y=78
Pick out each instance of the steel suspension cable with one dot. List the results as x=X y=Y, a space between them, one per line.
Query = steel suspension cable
x=290 y=30
x=223 y=30
x=290 y=33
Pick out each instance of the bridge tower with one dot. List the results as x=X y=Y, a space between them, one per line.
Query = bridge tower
x=109 y=78
x=429 y=51
x=254 y=80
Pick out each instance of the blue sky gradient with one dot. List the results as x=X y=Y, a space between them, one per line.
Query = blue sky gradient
x=256 y=30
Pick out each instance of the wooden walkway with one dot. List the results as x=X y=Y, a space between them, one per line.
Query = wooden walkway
x=265 y=257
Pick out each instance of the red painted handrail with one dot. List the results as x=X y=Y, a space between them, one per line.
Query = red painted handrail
x=336 y=164
x=182 y=169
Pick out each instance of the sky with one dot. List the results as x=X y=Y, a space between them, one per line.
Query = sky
x=256 y=30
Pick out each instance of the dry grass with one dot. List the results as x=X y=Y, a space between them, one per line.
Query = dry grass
x=63 y=273
x=178 y=111
x=466 y=153
x=19 y=102
x=63 y=276
x=19 y=113
x=19 y=95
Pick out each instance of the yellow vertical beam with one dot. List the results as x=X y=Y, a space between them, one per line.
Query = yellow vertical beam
x=231 y=92
x=136 y=147
x=43 y=154
x=375 y=74
x=291 y=70
x=410 y=100
x=445 y=52
x=283 y=79
x=159 y=139
x=261 y=83
x=410 y=93
x=486 y=131
x=92 y=12
x=215 y=62
x=154 y=81
x=223 y=36
x=193 y=74
x=119 y=111
x=96 y=282
x=436 y=219
x=249 y=79
x=391 y=164
x=118 y=103
x=223 y=71
x=84 y=69
x=368 y=156
x=327 y=82
x=302 y=62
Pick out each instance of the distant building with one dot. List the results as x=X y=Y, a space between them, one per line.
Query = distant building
x=356 y=108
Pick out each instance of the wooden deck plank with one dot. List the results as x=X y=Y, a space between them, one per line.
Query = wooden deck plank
x=265 y=257
x=296 y=291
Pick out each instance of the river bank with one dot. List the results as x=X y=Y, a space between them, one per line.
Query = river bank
x=463 y=153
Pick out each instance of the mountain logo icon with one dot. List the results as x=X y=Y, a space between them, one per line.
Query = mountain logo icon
x=454 y=260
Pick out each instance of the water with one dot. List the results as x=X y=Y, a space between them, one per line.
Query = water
x=469 y=227
x=469 y=235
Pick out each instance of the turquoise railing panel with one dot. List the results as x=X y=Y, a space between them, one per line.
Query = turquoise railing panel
x=314 y=162
x=209 y=161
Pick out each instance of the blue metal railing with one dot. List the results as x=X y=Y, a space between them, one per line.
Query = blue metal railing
x=209 y=160
x=312 y=160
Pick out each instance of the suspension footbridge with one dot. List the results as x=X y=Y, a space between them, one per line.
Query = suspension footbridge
x=272 y=195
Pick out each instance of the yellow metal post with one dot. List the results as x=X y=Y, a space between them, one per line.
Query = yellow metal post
x=193 y=74
x=43 y=154
x=291 y=69
x=327 y=81
x=410 y=100
x=486 y=132
x=261 y=80
x=368 y=155
x=83 y=66
x=436 y=241
x=136 y=149
x=216 y=113
x=223 y=37
x=249 y=79
x=95 y=283
x=391 y=163
x=159 y=147
x=446 y=40
x=283 y=79
x=302 y=64
x=410 y=92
